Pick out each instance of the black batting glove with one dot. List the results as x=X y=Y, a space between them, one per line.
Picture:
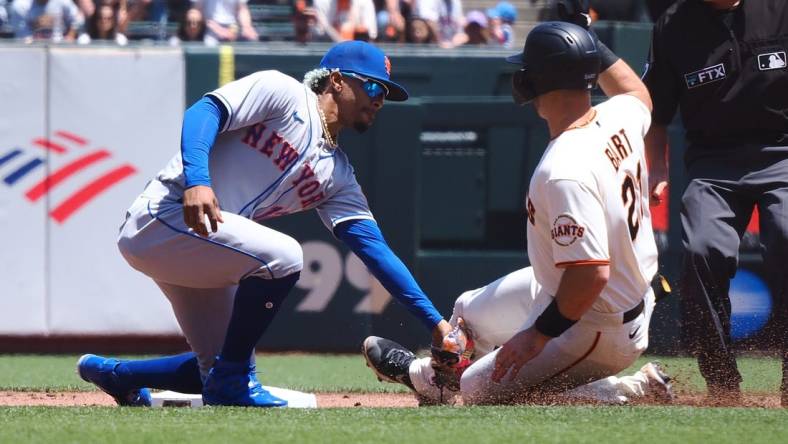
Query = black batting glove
x=574 y=11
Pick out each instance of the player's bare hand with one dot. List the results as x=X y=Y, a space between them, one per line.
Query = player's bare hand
x=198 y=202
x=658 y=186
x=517 y=351
x=439 y=332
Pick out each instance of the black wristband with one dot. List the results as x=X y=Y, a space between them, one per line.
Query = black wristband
x=551 y=322
x=606 y=57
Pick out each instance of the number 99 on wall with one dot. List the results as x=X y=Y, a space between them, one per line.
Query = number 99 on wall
x=322 y=275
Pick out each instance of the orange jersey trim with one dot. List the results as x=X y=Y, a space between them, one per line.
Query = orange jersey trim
x=583 y=262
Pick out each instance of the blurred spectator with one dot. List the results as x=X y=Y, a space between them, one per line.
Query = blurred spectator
x=150 y=10
x=103 y=26
x=88 y=8
x=191 y=28
x=392 y=18
x=445 y=17
x=304 y=21
x=3 y=13
x=339 y=20
x=54 y=20
x=419 y=31
x=224 y=19
x=502 y=18
x=475 y=31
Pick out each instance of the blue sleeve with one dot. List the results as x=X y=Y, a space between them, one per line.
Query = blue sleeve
x=201 y=123
x=365 y=239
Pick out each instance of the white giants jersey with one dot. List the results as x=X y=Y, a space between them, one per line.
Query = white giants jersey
x=588 y=204
x=270 y=158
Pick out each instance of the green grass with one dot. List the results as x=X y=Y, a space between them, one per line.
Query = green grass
x=425 y=425
x=331 y=373
x=325 y=373
x=341 y=373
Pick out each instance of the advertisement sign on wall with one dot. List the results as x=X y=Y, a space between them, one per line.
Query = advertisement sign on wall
x=93 y=126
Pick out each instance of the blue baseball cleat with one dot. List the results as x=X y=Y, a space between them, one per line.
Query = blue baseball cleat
x=101 y=372
x=235 y=383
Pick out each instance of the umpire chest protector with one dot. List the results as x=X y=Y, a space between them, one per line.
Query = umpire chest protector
x=725 y=69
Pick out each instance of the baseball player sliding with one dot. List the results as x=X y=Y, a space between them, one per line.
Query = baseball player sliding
x=254 y=149
x=580 y=314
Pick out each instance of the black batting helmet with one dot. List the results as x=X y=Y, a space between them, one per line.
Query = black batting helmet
x=557 y=55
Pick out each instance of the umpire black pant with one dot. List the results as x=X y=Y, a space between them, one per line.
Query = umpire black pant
x=724 y=187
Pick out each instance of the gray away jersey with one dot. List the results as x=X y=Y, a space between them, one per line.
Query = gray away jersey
x=270 y=158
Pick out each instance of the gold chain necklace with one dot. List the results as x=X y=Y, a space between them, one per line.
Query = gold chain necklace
x=591 y=116
x=329 y=139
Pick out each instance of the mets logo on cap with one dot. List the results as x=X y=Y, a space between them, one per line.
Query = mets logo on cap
x=367 y=60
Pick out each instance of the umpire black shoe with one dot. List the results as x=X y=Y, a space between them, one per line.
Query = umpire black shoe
x=390 y=361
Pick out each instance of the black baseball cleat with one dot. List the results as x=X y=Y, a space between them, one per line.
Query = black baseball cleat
x=390 y=361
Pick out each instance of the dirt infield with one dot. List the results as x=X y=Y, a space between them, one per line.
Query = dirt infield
x=325 y=400
x=74 y=399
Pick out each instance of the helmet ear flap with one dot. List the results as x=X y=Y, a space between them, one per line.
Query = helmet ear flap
x=522 y=90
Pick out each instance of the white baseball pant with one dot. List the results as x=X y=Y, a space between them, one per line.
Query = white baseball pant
x=580 y=363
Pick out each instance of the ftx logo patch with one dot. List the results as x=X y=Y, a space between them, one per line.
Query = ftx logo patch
x=771 y=60
x=705 y=75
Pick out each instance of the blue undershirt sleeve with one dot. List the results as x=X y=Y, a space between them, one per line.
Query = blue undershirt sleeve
x=365 y=240
x=201 y=123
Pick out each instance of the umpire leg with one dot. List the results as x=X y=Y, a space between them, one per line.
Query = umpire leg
x=773 y=209
x=714 y=215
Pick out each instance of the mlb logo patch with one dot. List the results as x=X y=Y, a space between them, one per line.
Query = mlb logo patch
x=704 y=76
x=771 y=60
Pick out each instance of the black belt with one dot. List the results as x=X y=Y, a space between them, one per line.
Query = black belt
x=661 y=289
x=630 y=315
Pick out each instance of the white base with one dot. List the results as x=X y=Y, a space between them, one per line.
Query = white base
x=175 y=399
x=299 y=400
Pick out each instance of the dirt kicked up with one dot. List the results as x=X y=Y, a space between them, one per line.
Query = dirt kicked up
x=335 y=400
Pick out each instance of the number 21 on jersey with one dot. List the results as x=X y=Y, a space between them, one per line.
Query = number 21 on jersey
x=617 y=150
x=631 y=195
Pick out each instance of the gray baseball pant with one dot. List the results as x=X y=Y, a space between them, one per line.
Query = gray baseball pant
x=724 y=187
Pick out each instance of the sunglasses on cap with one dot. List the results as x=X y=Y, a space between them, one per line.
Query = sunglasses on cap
x=373 y=88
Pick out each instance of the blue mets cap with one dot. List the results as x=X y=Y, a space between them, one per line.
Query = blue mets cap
x=366 y=60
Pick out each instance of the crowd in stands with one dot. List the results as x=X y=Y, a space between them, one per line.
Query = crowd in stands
x=441 y=22
x=447 y=23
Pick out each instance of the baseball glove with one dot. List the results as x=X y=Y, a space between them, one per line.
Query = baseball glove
x=452 y=357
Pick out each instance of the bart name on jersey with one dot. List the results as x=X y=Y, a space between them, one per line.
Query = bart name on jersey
x=618 y=148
